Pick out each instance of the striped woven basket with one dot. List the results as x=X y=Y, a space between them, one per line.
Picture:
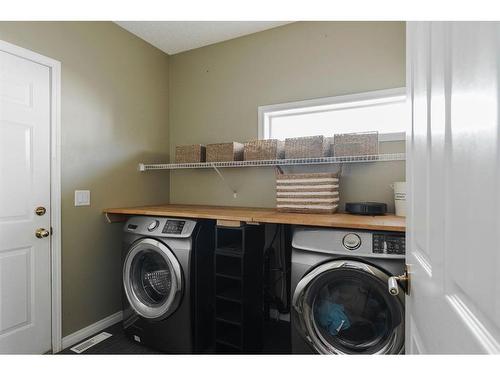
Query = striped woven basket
x=307 y=192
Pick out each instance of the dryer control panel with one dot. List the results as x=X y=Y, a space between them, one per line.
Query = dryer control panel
x=351 y=243
x=389 y=243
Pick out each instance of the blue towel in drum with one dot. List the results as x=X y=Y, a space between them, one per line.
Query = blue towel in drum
x=332 y=317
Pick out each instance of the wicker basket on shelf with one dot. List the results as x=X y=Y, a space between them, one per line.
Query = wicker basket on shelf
x=264 y=149
x=307 y=192
x=232 y=151
x=354 y=144
x=306 y=147
x=190 y=154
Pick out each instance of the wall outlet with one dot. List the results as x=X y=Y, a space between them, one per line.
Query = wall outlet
x=82 y=197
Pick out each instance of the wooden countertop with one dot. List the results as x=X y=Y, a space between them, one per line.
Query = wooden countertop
x=261 y=215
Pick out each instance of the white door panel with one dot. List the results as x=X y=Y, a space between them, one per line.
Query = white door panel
x=16 y=276
x=16 y=92
x=25 y=297
x=12 y=196
x=453 y=182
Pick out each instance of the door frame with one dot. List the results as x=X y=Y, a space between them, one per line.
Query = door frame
x=55 y=182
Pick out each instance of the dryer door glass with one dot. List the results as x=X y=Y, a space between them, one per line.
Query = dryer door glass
x=152 y=279
x=348 y=310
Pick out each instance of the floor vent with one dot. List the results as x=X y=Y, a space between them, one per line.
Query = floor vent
x=81 y=347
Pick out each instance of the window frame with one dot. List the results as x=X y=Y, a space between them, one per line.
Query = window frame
x=266 y=112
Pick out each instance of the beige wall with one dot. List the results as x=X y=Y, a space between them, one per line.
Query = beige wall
x=215 y=92
x=114 y=115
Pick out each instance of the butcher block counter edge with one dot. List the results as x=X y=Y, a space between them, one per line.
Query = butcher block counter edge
x=261 y=215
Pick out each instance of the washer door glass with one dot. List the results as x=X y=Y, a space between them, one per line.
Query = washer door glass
x=348 y=310
x=152 y=279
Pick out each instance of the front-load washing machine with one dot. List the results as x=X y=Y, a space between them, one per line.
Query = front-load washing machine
x=167 y=263
x=340 y=298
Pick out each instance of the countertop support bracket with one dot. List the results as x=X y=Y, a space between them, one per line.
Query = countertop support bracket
x=115 y=218
x=228 y=185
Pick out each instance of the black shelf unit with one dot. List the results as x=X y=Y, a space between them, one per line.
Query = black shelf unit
x=238 y=297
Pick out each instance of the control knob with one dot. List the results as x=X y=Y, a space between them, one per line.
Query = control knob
x=153 y=225
x=351 y=241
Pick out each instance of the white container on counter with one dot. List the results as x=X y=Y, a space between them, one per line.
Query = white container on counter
x=400 y=198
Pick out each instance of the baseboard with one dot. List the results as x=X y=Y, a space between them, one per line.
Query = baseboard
x=92 y=329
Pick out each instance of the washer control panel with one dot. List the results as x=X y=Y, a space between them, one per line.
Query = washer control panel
x=389 y=243
x=173 y=227
x=160 y=226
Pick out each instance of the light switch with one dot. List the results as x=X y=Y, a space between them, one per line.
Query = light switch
x=82 y=197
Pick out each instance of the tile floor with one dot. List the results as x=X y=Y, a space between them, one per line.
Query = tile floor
x=276 y=341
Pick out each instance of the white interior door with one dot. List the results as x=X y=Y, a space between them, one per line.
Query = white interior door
x=25 y=295
x=453 y=71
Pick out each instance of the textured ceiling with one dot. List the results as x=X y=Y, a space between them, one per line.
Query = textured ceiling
x=178 y=36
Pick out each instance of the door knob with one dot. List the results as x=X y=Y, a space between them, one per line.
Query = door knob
x=395 y=281
x=42 y=233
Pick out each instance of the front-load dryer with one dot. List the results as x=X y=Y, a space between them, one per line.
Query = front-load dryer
x=340 y=298
x=167 y=263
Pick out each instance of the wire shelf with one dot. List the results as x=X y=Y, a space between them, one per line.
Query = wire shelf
x=278 y=162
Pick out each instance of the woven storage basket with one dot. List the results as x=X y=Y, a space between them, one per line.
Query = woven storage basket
x=307 y=192
x=224 y=152
x=306 y=147
x=355 y=144
x=190 y=154
x=264 y=149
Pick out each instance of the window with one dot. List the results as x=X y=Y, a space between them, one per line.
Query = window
x=384 y=111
